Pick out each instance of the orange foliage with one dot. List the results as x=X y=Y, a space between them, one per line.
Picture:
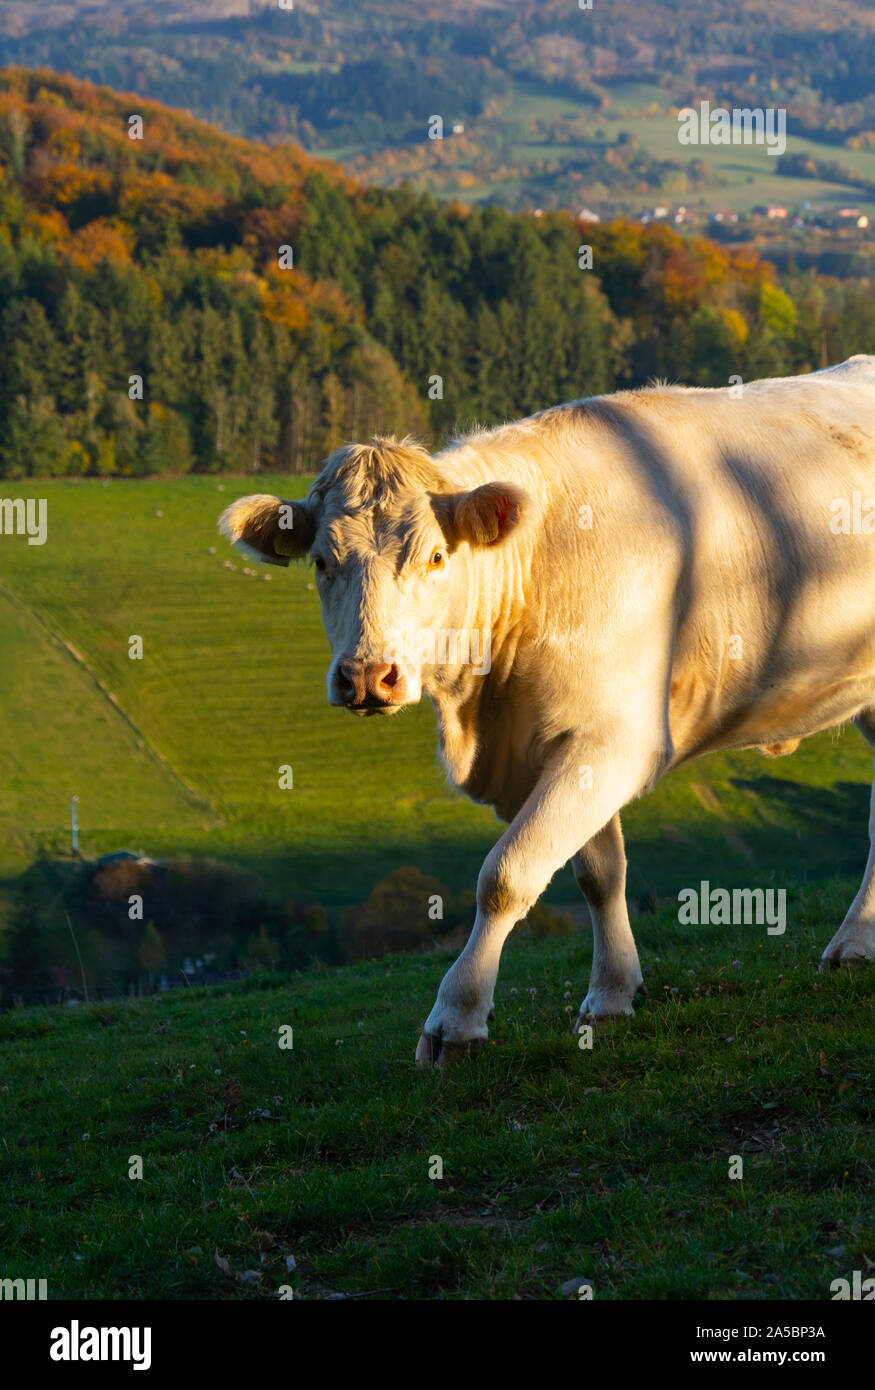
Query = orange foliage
x=63 y=183
x=64 y=142
x=9 y=102
x=44 y=97
x=747 y=267
x=100 y=240
x=621 y=242
x=267 y=229
x=285 y=308
x=50 y=227
x=682 y=280
x=712 y=258
x=60 y=109
x=165 y=197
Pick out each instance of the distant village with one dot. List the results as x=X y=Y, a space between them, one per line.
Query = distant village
x=812 y=215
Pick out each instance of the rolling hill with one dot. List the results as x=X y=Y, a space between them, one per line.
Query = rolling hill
x=186 y=301
x=155 y=260
x=545 y=104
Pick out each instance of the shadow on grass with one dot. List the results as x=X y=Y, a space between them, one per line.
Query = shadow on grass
x=801 y=834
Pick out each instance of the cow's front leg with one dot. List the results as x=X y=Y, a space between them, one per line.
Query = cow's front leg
x=458 y=1021
x=600 y=870
x=570 y=803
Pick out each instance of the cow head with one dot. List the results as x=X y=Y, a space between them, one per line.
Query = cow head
x=392 y=545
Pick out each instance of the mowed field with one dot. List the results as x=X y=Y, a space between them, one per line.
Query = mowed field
x=181 y=751
x=559 y=1164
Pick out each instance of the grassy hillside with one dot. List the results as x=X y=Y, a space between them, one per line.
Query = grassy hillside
x=181 y=751
x=230 y=688
x=60 y=735
x=558 y=1163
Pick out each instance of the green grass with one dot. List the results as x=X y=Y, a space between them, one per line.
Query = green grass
x=635 y=95
x=558 y=1163
x=60 y=735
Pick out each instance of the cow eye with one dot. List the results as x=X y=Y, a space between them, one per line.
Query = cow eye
x=319 y=562
x=437 y=560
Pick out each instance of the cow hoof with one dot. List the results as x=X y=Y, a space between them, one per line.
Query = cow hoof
x=848 y=954
x=434 y=1051
x=850 y=947
x=588 y=1020
x=603 y=1004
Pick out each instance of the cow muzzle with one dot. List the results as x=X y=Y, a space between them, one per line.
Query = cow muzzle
x=368 y=687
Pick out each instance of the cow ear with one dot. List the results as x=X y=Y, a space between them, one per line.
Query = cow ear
x=486 y=516
x=269 y=529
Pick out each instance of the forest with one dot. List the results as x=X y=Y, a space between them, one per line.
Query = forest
x=186 y=301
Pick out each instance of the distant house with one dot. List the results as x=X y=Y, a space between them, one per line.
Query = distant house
x=724 y=215
x=862 y=220
x=587 y=215
x=458 y=128
x=847 y=213
x=770 y=210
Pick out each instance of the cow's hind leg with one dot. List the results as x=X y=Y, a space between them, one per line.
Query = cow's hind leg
x=854 y=942
x=600 y=870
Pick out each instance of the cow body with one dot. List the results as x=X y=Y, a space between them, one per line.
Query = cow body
x=657 y=574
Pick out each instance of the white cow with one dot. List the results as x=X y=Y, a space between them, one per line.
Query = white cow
x=642 y=577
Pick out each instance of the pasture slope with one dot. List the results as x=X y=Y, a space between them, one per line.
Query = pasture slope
x=180 y=752
x=558 y=1163
x=608 y=1164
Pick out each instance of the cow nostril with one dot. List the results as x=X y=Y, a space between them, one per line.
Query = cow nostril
x=345 y=683
x=361 y=686
x=380 y=682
